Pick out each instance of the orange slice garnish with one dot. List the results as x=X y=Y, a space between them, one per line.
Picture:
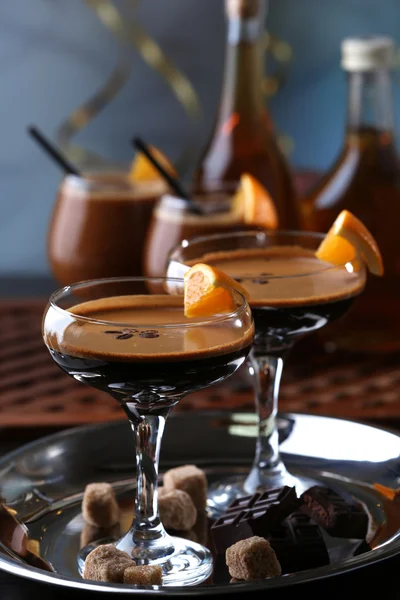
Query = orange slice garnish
x=143 y=170
x=348 y=237
x=209 y=291
x=34 y=547
x=390 y=493
x=254 y=203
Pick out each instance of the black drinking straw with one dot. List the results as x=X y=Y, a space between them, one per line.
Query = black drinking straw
x=52 y=151
x=172 y=181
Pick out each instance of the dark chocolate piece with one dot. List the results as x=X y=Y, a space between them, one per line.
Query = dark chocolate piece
x=229 y=529
x=299 y=544
x=338 y=517
x=253 y=515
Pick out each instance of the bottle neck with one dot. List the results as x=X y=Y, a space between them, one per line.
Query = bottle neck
x=242 y=98
x=370 y=102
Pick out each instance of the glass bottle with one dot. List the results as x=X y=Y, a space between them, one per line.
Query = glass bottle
x=365 y=179
x=243 y=138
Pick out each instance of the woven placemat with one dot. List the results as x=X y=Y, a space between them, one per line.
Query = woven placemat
x=34 y=392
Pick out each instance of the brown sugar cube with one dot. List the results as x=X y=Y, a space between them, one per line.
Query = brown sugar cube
x=99 y=505
x=177 y=510
x=143 y=575
x=252 y=558
x=106 y=563
x=191 y=480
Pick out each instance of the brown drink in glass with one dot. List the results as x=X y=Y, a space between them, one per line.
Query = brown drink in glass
x=98 y=226
x=144 y=351
x=173 y=221
x=292 y=293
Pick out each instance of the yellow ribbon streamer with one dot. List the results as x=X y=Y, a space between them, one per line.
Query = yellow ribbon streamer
x=132 y=33
x=88 y=111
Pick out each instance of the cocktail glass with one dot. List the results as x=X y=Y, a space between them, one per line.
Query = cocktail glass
x=173 y=221
x=143 y=351
x=292 y=294
x=98 y=225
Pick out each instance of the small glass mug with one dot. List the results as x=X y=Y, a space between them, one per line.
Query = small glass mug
x=174 y=220
x=98 y=226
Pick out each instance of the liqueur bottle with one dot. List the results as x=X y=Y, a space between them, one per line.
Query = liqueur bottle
x=243 y=139
x=365 y=179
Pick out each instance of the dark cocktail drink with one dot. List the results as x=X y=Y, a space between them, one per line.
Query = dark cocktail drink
x=291 y=293
x=142 y=349
x=138 y=363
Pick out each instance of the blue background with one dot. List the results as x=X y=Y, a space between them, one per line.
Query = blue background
x=55 y=53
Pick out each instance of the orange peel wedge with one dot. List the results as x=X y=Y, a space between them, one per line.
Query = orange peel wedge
x=34 y=547
x=143 y=170
x=209 y=291
x=254 y=203
x=390 y=493
x=348 y=239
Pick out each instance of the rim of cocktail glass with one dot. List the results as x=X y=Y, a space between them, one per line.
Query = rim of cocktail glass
x=214 y=186
x=259 y=234
x=178 y=203
x=93 y=180
x=69 y=289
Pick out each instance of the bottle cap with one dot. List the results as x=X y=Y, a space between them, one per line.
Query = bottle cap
x=367 y=53
x=242 y=9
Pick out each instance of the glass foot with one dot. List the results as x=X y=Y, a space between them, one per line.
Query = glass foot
x=188 y=564
x=222 y=493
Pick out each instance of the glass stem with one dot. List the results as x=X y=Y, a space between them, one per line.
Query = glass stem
x=147 y=539
x=268 y=467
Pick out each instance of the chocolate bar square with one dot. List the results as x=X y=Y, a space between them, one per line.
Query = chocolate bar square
x=253 y=515
x=299 y=544
x=229 y=529
x=337 y=516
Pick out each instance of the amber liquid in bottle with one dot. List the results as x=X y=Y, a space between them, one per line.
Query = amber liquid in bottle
x=365 y=179
x=243 y=138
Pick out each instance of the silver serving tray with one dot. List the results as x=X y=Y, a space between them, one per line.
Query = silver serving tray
x=43 y=483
